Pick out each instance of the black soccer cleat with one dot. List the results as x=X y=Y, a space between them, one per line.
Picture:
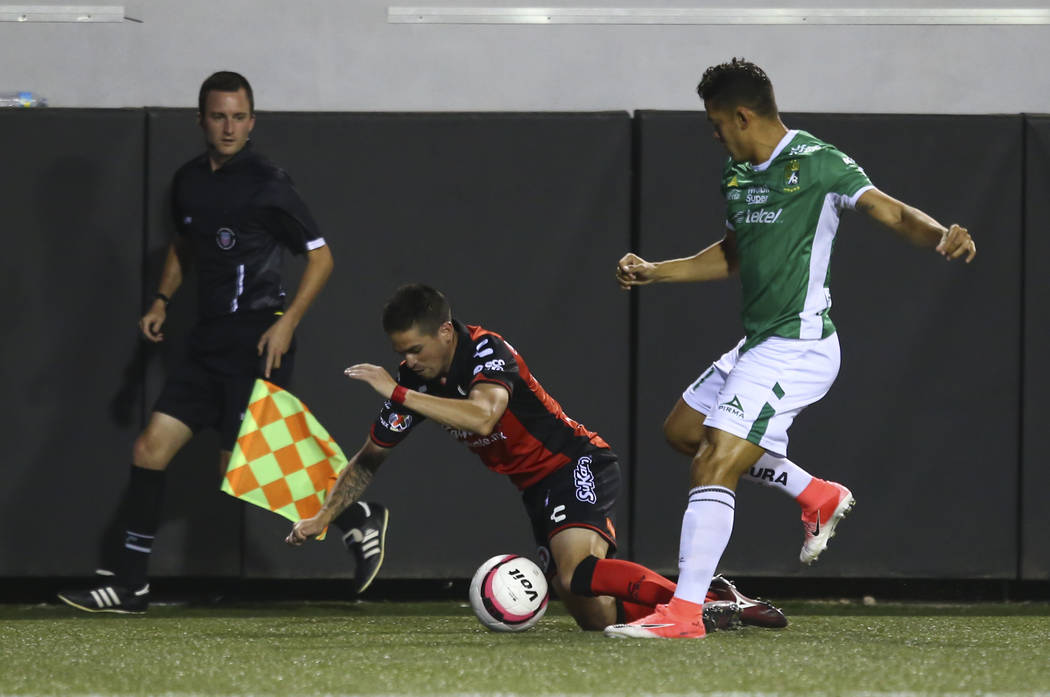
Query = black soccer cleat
x=721 y=615
x=757 y=613
x=116 y=599
x=366 y=540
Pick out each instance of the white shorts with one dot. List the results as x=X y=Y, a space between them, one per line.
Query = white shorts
x=757 y=395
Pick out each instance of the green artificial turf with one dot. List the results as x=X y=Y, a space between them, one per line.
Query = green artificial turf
x=439 y=648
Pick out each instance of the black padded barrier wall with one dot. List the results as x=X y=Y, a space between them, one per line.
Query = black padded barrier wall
x=71 y=273
x=922 y=421
x=518 y=218
x=1035 y=543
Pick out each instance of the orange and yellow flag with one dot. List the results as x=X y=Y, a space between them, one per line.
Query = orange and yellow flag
x=284 y=459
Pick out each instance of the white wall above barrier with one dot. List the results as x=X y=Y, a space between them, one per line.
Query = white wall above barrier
x=718 y=15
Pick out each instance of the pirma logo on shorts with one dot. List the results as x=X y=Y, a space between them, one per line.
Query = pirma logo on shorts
x=733 y=407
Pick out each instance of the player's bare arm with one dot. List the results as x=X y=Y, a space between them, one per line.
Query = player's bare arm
x=278 y=338
x=716 y=262
x=478 y=413
x=170 y=279
x=918 y=227
x=352 y=482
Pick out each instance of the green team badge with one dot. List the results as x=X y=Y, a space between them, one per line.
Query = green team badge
x=791 y=177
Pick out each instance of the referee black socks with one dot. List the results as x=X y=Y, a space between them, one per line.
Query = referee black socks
x=142 y=501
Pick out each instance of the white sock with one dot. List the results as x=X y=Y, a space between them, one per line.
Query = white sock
x=706 y=527
x=779 y=473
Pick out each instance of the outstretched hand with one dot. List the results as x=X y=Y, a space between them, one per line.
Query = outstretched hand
x=375 y=376
x=632 y=271
x=955 y=242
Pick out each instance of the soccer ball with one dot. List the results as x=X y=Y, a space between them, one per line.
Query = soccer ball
x=508 y=593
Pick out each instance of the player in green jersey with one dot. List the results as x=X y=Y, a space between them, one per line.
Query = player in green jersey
x=784 y=191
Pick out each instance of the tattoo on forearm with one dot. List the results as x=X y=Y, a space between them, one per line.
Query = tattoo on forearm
x=349 y=487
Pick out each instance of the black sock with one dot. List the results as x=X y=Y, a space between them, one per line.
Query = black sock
x=142 y=500
x=583 y=575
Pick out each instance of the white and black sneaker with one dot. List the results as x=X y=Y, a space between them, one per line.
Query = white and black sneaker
x=366 y=540
x=112 y=598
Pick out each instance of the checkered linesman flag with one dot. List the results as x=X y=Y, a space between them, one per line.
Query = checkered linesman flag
x=284 y=460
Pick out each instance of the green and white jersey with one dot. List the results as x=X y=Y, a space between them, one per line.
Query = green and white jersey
x=785 y=213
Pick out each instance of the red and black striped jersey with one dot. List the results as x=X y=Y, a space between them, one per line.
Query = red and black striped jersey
x=533 y=438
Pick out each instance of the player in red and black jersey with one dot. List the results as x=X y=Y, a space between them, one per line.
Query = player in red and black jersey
x=476 y=385
x=533 y=436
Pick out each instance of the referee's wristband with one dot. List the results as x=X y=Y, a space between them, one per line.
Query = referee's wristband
x=398 y=397
x=160 y=296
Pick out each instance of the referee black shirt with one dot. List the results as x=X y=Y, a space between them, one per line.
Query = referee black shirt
x=239 y=219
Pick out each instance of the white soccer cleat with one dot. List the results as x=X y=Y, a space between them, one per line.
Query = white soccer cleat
x=818 y=526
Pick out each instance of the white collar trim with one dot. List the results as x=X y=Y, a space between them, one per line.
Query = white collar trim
x=788 y=137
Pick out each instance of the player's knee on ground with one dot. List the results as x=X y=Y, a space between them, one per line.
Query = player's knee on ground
x=591 y=613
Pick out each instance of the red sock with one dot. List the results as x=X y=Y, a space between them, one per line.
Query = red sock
x=630 y=582
x=634 y=611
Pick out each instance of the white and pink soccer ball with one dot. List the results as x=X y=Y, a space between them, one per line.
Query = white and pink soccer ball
x=508 y=593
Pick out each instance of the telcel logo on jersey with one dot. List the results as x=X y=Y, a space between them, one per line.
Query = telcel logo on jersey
x=763 y=216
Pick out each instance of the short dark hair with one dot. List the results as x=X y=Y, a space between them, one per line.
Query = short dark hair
x=738 y=83
x=225 y=81
x=416 y=305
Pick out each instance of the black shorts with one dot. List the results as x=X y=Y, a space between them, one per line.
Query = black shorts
x=211 y=388
x=582 y=494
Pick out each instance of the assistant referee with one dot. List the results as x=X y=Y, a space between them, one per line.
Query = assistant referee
x=235 y=213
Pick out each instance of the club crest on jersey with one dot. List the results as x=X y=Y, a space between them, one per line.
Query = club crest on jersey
x=225 y=238
x=399 y=422
x=792 y=181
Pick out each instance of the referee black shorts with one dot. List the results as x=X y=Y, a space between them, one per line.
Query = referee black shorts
x=582 y=494
x=212 y=386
